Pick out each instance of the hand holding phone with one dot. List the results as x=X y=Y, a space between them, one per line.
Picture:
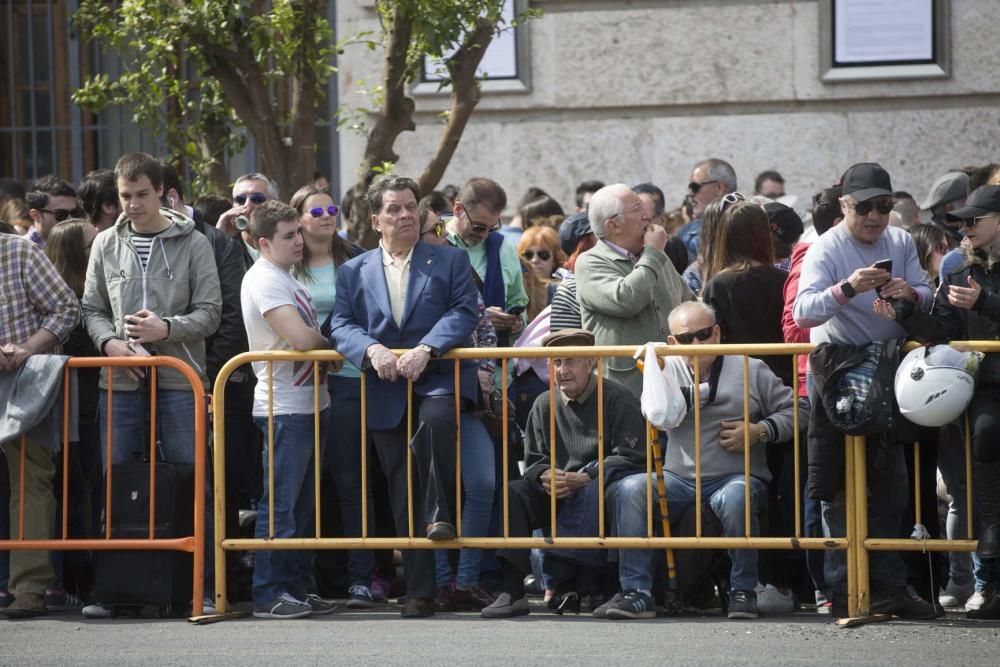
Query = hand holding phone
x=884 y=264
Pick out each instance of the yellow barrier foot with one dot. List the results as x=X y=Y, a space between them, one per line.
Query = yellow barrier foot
x=215 y=618
x=862 y=620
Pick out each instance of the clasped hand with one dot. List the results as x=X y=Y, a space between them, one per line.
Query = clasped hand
x=566 y=482
x=410 y=365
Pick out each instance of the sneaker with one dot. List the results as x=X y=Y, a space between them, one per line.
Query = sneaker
x=208 y=607
x=319 y=606
x=505 y=607
x=57 y=599
x=27 y=605
x=743 y=604
x=954 y=595
x=770 y=600
x=5 y=598
x=97 y=611
x=975 y=603
x=283 y=606
x=380 y=588
x=823 y=603
x=602 y=611
x=361 y=598
x=633 y=604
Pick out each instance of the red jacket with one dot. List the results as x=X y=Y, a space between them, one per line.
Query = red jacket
x=793 y=333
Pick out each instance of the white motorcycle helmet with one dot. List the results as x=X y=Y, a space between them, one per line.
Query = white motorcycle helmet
x=934 y=385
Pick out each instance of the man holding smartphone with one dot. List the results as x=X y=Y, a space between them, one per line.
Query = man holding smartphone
x=152 y=287
x=844 y=272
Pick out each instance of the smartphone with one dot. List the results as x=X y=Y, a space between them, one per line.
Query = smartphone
x=516 y=310
x=139 y=349
x=884 y=264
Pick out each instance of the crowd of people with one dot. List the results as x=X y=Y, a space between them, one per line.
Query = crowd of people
x=125 y=266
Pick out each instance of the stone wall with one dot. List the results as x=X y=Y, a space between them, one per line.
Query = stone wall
x=637 y=91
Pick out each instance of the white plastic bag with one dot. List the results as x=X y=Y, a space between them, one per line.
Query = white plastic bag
x=662 y=401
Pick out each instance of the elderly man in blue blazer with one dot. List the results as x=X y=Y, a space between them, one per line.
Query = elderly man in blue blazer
x=408 y=294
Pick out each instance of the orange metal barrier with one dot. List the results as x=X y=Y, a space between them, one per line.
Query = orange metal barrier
x=194 y=544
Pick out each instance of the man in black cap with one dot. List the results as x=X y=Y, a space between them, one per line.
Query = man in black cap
x=947 y=194
x=576 y=464
x=844 y=272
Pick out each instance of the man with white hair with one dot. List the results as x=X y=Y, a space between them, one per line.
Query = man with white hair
x=626 y=284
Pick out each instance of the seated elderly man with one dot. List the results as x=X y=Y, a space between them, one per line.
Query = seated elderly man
x=576 y=464
x=722 y=445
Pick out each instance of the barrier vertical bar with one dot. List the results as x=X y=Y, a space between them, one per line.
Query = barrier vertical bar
x=649 y=479
x=968 y=477
x=746 y=445
x=503 y=474
x=916 y=483
x=409 y=456
x=458 y=447
x=796 y=445
x=364 y=457
x=65 y=443
x=20 y=491
x=553 y=399
x=107 y=459
x=861 y=522
x=198 y=565
x=851 y=529
x=152 y=452
x=600 y=445
x=317 y=458
x=219 y=487
x=696 y=385
x=270 y=449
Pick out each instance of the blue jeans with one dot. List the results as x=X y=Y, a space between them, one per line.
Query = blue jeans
x=888 y=497
x=174 y=431
x=478 y=486
x=725 y=495
x=280 y=571
x=342 y=458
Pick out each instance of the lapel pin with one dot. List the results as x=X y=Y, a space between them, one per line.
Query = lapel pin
x=429 y=261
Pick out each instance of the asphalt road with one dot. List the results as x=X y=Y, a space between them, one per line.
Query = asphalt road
x=381 y=637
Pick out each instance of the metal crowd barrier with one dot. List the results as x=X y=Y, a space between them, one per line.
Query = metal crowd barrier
x=554 y=541
x=193 y=544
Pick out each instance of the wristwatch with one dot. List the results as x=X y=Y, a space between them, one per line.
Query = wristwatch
x=762 y=437
x=848 y=289
x=426 y=348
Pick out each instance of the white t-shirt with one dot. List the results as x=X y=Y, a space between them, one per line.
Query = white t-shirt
x=266 y=287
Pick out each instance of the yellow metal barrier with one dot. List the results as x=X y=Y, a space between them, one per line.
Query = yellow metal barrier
x=600 y=541
x=195 y=543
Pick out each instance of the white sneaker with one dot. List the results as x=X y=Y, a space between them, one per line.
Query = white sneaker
x=954 y=595
x=975 y=602
x=96 y=611
x=770 y=600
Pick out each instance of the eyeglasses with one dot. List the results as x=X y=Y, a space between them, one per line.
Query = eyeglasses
x=694 y=186
x=319 y=211
x=61 y=214
x=700 y=334
x=255 y=198
x=942 y=248
x=543 y=255
x=730 y=199
x=972 y=222
x=478 y=227
x=437 y=230
x=883 y=206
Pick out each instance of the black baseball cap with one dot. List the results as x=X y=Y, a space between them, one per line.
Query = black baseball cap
x=572 y=229
x=784 y=222
x=984 y=200
x=865 y=180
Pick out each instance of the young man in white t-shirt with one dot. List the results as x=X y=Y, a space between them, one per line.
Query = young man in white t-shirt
x=279 y=315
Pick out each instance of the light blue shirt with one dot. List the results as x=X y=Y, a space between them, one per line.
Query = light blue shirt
x=322 y=286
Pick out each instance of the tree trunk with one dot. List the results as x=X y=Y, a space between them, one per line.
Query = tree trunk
x=465 y=94
x=396 y=116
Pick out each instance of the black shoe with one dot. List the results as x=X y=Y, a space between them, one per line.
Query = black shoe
x=990 y=608
x=633 y=604
x=602 y=610
x=417 y=607
x=743 y=604
x=903 y=604
x=568 y=603
x=440 y=530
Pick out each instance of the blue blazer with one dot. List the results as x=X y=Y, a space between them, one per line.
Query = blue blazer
x=441 y=311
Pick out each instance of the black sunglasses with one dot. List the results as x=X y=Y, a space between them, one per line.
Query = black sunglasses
x=61 y=214
x=479 y=227
x=255 y=198
x=319 y=210
x=543 y=255
x=700 y=334
x=437 y=230
x=883 y=206
x=694 y=186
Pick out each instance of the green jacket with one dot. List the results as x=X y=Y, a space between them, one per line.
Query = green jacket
x=180 y=284
x=627 y=303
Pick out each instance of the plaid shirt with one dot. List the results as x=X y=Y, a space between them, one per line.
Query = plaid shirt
x=32 y=294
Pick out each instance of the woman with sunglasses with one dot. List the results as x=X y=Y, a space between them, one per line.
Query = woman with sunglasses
x=967 y=307
x=322 y=253
x=539 y=248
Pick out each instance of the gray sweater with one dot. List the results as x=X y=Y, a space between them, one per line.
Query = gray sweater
x=769 y=399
